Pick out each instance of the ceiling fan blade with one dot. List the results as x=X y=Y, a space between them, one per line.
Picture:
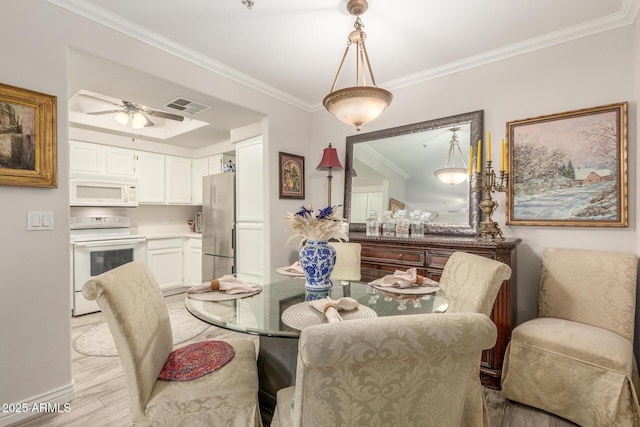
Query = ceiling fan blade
x=148 y=123
x=103 y=112
x=164 y=115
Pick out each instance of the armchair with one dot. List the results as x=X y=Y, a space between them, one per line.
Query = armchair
x=575 y=359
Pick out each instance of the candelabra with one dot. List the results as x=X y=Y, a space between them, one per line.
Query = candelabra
x=486 y=183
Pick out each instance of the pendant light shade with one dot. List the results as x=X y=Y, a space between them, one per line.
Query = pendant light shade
x=362 y=103
x=450 y=174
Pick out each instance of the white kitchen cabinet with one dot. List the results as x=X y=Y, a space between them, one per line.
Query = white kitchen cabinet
x=151 y=175
x=249 y=202
x=165 y=259
x=120 y=161
x=363 y=203
x=193 y=261
x=178 y=180
x=86 y=158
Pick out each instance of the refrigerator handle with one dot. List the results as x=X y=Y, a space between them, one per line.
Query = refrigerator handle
x=233 y=239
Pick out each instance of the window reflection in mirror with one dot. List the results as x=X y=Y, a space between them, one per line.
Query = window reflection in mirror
x=398 y=165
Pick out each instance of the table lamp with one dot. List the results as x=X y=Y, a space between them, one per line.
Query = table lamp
x=329 y=161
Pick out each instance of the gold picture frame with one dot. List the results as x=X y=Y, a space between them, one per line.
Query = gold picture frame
x=28 y=150
x=395 y=205
x=569 y=169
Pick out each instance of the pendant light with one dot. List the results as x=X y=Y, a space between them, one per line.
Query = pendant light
x=359 y=104
x=450 y=174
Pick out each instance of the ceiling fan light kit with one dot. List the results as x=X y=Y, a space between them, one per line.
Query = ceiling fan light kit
x=137 y=114
x=362 y=103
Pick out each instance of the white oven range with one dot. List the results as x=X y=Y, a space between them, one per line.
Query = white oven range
x=100 y=243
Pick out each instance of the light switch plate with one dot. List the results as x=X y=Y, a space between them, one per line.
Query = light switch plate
x=39 y=220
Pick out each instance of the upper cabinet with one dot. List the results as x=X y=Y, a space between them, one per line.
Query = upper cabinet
x=121 y=161
x=178 y=180
x=151 y=174
x=162 y=179
x=87 y=158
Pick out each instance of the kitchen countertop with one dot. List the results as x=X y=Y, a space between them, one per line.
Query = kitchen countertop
x=165 y=232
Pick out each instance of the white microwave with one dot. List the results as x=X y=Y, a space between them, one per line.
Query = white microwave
x=103 y=191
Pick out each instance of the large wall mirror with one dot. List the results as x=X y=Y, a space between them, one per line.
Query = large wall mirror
x=394 y=168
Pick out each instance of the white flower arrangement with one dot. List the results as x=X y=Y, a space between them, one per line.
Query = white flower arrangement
x=307 y=225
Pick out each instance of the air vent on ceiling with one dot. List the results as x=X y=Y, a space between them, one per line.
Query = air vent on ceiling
x=185 y=106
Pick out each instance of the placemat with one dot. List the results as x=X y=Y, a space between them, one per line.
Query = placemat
x=196 y=360
x=222 y=295
x=301 y=315
x=284 y=272
x=415 y=290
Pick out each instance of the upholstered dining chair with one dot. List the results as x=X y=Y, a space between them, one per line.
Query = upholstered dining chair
x=408 y=370
x=472 y=282
x=575 y=360
x=347 y=261
x=137 y=317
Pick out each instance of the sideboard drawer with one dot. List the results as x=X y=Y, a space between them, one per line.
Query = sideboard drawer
x=390 y=256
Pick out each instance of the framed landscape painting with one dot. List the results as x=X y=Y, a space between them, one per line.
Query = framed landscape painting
x=291 y=176
x=569 y=169
x=27 y=138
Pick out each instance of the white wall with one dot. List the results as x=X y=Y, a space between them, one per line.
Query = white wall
x=593 y=71
x=34 y=267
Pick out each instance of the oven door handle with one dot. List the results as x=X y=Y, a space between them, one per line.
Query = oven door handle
x=104 y=243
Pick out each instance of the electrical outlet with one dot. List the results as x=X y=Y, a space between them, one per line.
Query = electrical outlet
x=165 y=220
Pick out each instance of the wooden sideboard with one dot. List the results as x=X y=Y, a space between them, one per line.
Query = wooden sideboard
x=429 y=254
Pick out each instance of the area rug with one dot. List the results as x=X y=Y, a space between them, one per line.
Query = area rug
x=98 y=341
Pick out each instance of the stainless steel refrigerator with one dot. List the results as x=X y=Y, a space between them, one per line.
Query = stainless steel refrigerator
x=219 y=225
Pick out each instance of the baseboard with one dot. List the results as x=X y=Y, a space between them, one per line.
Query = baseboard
x=178 y=289
x=53 y=401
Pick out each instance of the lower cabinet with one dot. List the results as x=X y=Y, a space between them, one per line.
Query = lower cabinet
x=429 y=254
x=165 y=259
x=193 y=262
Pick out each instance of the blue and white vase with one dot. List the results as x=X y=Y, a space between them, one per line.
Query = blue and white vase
x=317 y=259
x=310 y=295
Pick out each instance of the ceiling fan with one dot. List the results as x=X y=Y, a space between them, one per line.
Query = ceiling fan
x=138 y=114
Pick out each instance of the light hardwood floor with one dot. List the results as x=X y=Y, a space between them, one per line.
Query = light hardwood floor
x=101 y=397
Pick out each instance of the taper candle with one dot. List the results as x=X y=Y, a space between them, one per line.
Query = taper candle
x=470 y=160
x=502 y=157
x=489 y=146
x=478 y=165
x=506 y=158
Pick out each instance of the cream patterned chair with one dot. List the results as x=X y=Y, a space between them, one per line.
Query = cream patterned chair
x=137 y=317
x=576 y=358
x=408 y=370
x=347 y=261
x=471 y=282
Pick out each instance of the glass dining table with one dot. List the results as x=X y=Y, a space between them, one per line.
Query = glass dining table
x=262 y=314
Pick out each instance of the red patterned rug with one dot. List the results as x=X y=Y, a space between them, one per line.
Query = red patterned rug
x=195 y=360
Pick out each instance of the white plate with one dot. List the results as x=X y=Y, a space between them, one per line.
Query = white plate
x=415 y=290
x=299 y=316
x=284 y=272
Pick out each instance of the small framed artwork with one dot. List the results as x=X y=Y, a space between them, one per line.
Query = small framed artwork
x=395 y=205
x=291 y=176
x=27 y=138
x=569 y=169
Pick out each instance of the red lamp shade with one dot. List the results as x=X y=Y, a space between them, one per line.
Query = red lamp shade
x=329 y=160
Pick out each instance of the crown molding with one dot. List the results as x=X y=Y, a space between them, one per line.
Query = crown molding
x=124 y=26
x=625 y=16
